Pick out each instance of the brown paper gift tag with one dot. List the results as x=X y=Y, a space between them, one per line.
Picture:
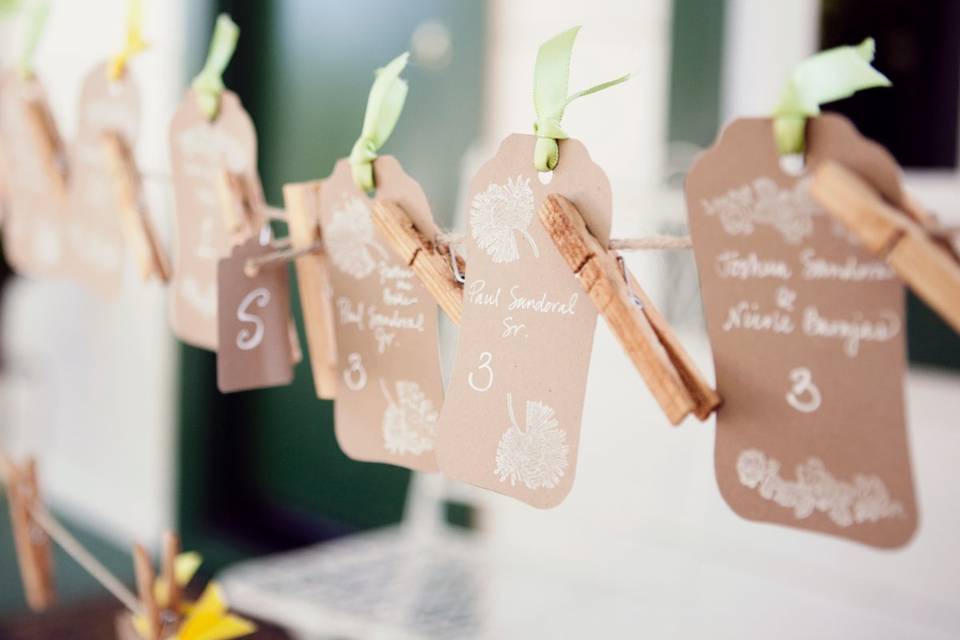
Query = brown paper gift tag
x=200 y=151
x=511 y=422
x=36 y=178
x=94 y=228
x=807 y=330
x=385 y=323
x=253 y=317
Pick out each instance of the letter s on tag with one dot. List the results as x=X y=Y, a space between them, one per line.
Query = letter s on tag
x=245 y=340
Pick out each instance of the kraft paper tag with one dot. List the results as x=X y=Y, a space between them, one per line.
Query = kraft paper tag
x=807 y=330
x=33 y=230
x=94 y=228
x=253 y=317
x=385 y=323
x=511 y=422
x=200 y=151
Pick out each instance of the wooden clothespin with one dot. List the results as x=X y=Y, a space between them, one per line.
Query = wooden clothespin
x=302 y=201
x=49 y=145
x=137 y=227
x=648 y=339
x=244 y=212
x=239 y=205
x=34 y=553
x=171 y=549
x=919 y=258
x=146 y=579
x=160 y=618
x=431 y=264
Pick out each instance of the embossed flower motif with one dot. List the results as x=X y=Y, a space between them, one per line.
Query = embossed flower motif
x=349 y=238
x=410 y=422
x=865 y=499
x=498 y=213
x=751 y=467
x=733 y=209
x=763 y=202
x=873 y=500
x=534 y=456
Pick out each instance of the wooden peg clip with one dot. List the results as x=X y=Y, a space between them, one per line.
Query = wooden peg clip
x=648 y=339
x=918 y=257
x=240 y=205
x=137 y=227
x=146 y=578
x=422 y=255
x=302 y=201
x=49 y=145
x=161 y=619
x=171 y=549
x=244 y=213
x=34 y=553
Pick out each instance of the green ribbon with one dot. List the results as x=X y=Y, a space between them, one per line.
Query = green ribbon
x=824 y=77
x=208 y=85
x=551 y=77
x=9 y=7
x=384 y=105
x=37 y=13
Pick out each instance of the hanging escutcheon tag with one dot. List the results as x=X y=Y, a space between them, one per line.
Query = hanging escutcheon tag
x=511 y=422
x=807 y=330
x=385 y=322
x=36 y=180
x=94 y=226
x=253 y=316
x=201 y=150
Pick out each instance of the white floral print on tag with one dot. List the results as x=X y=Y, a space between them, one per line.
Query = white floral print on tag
x=500 y=211
x=536 y=456
x=410 y=422
x=789 y=211
x=866 y=499
x=349 y=238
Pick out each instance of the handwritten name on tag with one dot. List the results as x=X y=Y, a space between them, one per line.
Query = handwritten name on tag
x=34 y=227
x=93 y=231
x=253 y=317
x=200 y=151
x=807 y=330
x=511 y=422
x=390 y=389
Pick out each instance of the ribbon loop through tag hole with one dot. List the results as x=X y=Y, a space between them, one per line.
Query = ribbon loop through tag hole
x=793 y=164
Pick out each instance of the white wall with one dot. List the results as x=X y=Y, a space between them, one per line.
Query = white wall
x=88 y=385
x=763 y=41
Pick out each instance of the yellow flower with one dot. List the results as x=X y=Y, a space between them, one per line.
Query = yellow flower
x=210 y=619
x=184 y=568
x=207 y=619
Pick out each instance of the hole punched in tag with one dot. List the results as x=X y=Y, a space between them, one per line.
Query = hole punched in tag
x=634 y=298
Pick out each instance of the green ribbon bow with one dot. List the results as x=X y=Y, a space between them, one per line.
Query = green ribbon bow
x=824 y=77
x=384 y=106
x=37 y=13
x=550 y=79
x=208 y=85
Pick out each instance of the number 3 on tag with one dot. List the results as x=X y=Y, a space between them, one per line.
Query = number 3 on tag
x=486 y=372
x=804 y=396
